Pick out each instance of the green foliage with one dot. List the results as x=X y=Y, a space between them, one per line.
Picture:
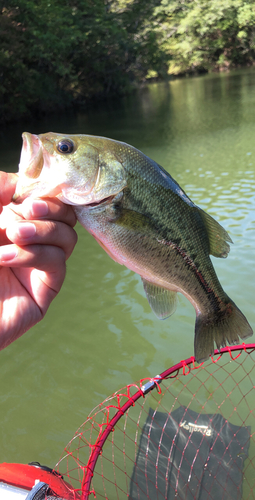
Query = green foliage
x=207 y=34
x=54 y=53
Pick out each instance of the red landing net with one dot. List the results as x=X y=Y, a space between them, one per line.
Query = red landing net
x=188 y=433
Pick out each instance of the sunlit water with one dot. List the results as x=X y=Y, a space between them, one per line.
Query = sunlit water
x=100 y=333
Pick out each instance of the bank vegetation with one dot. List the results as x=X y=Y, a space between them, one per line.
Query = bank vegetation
x=58 y=53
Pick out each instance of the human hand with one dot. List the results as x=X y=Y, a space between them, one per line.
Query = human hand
x=36 y=239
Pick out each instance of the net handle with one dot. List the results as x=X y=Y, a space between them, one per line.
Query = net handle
x=186 y=366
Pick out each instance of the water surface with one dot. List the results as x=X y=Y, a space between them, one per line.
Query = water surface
x=100 y=334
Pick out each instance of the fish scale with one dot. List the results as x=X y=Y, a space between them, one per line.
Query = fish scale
x=144 y=220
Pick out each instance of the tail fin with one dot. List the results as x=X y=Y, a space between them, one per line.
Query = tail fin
x=226 y=326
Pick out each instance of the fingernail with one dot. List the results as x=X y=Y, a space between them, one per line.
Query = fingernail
x=25 y=229
x=39 y=208
x=8 y=252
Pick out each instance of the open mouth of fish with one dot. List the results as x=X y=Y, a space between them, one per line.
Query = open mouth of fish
x=31 y=160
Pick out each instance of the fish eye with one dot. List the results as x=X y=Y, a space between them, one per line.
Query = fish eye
x=65 y=146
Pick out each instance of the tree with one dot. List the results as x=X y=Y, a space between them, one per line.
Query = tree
x=54 y=52
x=207 y=34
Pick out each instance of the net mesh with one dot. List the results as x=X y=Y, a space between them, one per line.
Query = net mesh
x=191 y=437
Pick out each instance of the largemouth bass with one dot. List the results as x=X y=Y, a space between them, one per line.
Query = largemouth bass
x=143 y=219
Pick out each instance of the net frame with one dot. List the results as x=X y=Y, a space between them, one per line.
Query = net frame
x=104 y=418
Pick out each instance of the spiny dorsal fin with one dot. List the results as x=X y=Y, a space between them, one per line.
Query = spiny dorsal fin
x=162 y=301
x=218 y=236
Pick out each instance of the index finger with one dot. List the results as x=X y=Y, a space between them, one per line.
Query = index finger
x=7 y=188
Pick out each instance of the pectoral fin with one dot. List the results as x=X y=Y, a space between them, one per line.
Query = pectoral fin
x=163 y=302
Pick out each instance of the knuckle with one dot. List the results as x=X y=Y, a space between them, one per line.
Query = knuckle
x=47 y=257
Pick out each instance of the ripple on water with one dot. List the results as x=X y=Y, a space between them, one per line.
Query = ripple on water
x=100 y=333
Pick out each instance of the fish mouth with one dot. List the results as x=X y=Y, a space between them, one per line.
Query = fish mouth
x=30 y=167
x=31 y=160
x=21 y=194
x=106 y=200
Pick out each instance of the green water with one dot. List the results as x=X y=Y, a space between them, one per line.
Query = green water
x=100 y=334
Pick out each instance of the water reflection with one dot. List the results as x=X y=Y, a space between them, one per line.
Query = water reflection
x=100 y=333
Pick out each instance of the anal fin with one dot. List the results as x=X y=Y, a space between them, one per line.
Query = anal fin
x=163 y=302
